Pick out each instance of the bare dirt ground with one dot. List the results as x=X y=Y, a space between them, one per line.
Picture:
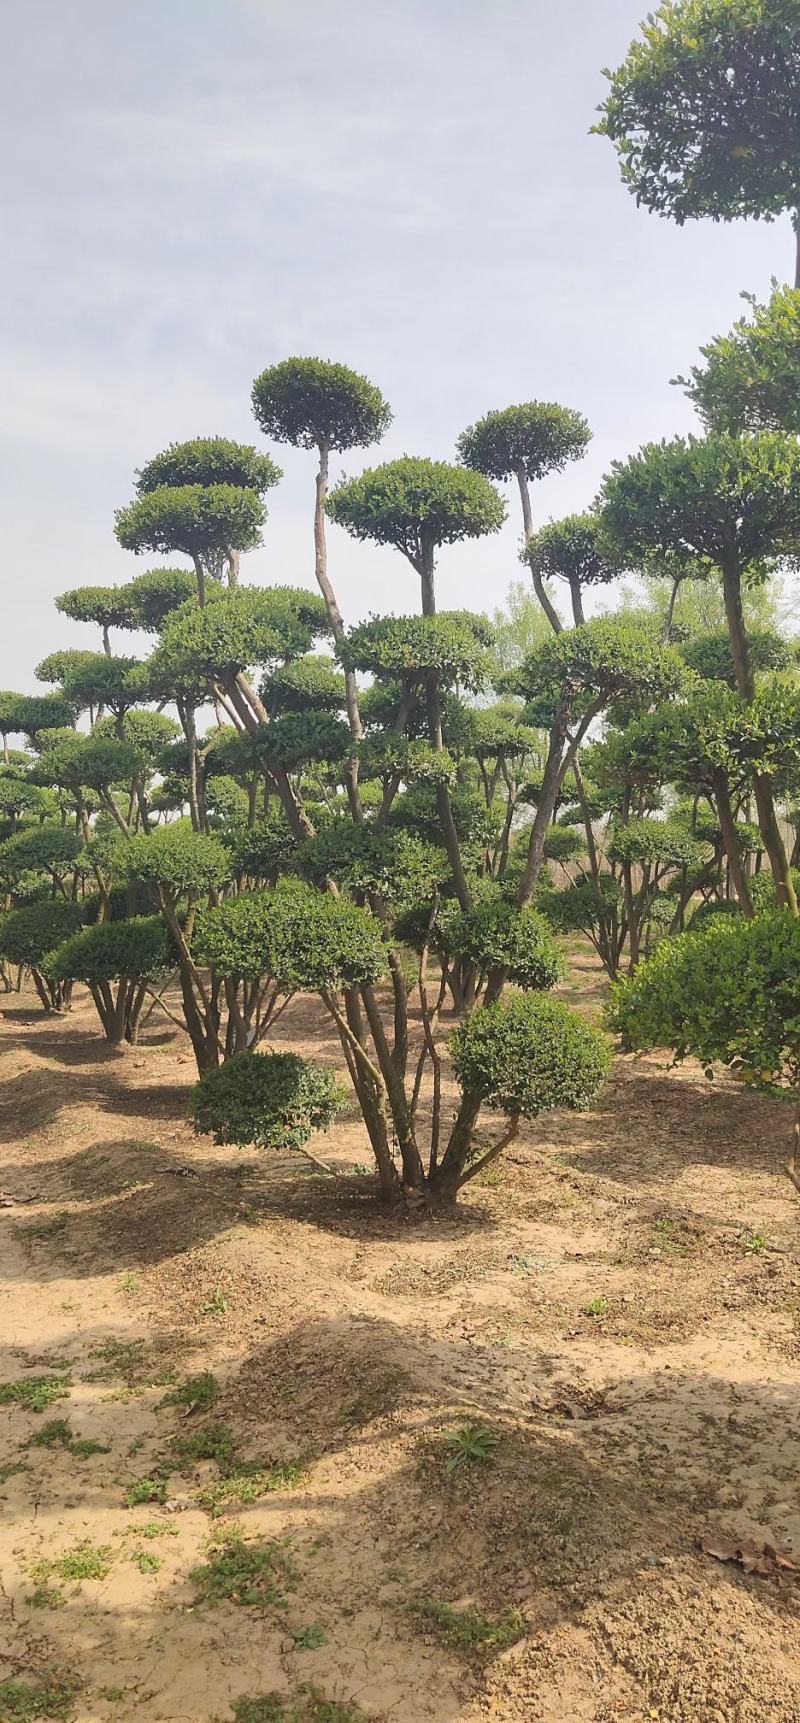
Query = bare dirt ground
x=617 y=1302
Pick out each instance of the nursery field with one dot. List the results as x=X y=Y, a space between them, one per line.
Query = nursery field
x=230 y=1385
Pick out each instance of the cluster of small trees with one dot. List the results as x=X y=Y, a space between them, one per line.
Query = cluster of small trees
x=400 y=816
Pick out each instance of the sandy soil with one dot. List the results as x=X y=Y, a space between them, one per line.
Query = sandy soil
x=617 y=1302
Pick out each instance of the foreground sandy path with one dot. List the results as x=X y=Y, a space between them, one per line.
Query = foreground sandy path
x=618 y=1304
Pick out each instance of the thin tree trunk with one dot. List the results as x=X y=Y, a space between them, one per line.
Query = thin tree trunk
x=577 y=602
x=337 y=625
x=762 y=786
x=730 y=836
x=527 y=522
x=201 y=580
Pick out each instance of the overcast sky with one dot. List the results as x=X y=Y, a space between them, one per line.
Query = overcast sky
x=194 y=189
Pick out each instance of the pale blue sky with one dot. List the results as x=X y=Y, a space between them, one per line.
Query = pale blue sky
x=194 y=189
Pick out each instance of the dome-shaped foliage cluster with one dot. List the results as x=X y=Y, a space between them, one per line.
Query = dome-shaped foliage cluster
x=530 y=1055
x=270 y=1100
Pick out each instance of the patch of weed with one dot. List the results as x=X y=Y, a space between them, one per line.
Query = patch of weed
x=756 y=1243
x=151 y=1529
x=216 y=1305
x=469 y=1444
x=308 y=1638
x=46 y=1597
x=130 y=1281
x=25 y=1701
x=470 y=1630
x=11 y=1466
x=197 y=1393
x=242 y=1573
x=145 y=1490
x=42 y=1229
x=307 y=1705
x=213 y=1441
x=123 y=1358
x=595 y=1307
x=248 y=1481
x=84 y=1561
x=112 y=1694
x=56 y=1433
x=34 y=1393
x=147 y=1561
x=85 y=1446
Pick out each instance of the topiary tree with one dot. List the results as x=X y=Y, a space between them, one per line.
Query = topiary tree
x=726 y=995
x=129 y=953
x=99 y=764
x=212 y=462
x=569 y=681
x=704 y=111
x=315 y=404
x=184 y=869
x=571 y=550
x=417 y=506
x=31 y=714
x=153 y=595
x=521 y=1058
x=526 y=443
x=108 y=606
x=273 y=1100
x=733 y=503
x=751 y=378
x=212 y=524
x=27 y=937
x=45 y=849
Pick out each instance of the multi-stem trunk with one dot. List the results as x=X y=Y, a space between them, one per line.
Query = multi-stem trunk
x=762 y=786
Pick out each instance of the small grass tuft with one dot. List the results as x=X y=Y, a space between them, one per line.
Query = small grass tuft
x=252 y=1574
x=84 y=1561
x=147 y=1561
x=11 y=1467
x=307 y=1705
x=85 y=1446
x=595 y=1307
x=26 y=1701
x=34 y=1393
x=212 y=1441
x=46 y=1597
x=470 y=1630
x=248 y=1481
x=308 y=1638
x=196 y=1393
x=29 y=1231
x=56 y=1433
x=151 y=1529
x=145 y=1490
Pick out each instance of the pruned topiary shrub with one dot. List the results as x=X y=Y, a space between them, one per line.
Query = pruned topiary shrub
x=727 y=994
x=28 y=935
x=128 y=953
x=270 y=1100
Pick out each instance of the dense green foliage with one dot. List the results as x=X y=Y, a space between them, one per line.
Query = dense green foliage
x=529 y=1055
x=538 y=436
x=315 y=403
x=271 y=1100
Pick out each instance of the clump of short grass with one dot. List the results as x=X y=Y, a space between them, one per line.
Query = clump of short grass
x=147 y=1561
x=469 y=1629
x=151 y=1529
x=58 y=1433
x=143 y=1490
x=34 y=1393
x=84 y=1561
x=29 y=1231
x=10 y=1468
x=595 y=1307
x=212 y=1441
x=246 y=1573
x=46 y=1597
x=248 y=1481
x=196 y=1393
x=306 y=1705
x=52 y=1695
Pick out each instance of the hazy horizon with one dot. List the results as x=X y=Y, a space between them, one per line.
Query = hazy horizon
x=195 y=192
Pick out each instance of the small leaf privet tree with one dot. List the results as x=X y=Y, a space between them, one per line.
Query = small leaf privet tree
x=704 y=111
x=526 y=443
x=733 y=505
x=316 y=404
x=204 y=498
